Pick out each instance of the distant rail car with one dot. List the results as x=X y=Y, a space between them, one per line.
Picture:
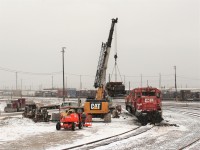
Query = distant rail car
x=68 y=104
x=145 y=104
x=15 y=105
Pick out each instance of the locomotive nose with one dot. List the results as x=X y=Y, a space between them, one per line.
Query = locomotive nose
x=149 y=99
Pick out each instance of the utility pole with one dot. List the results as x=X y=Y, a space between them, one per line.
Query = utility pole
x=129 y=86
x=16 y=80
x=160 y=80
x=66 y=88
x=141 y=80
x=21 y=88
x=52 y=81
x=175 y=83
x=147 y=83
x=63 y=51
x=124 y=81
x=21 y=84
x=80 y=83
x=79 y=100
x=66 y=82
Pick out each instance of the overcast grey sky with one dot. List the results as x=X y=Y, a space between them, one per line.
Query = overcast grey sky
x=152 y=37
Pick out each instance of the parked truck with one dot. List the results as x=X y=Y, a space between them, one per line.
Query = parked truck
x=15 y=105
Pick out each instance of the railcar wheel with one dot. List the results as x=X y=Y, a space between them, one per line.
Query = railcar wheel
x=107 y=118
x=24 y=115
x=73 y=126
x=158 y=119
x=128 y=108
x=143 y=120
x=58 y=126
x=35 y=119
x=133 y=111
x=80 y=125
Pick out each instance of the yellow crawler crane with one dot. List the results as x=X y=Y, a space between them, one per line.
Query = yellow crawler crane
x=100 y=106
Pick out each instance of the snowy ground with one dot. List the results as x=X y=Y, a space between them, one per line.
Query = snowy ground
x=21 y=133
x=2 y=106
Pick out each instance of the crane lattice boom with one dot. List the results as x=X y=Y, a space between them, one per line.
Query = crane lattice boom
x=100 y=78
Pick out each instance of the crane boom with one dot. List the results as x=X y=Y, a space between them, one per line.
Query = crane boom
x=100 y=107
x=100 y=78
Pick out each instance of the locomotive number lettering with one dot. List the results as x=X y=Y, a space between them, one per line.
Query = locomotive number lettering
x=148 y=100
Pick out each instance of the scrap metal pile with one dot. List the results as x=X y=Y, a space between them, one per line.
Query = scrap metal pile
x=115 y=89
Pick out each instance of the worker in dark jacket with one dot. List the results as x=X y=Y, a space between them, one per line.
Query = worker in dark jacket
x=83 y=116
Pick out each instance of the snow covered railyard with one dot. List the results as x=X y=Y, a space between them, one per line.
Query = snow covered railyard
x=23 y=133
x=178 y=129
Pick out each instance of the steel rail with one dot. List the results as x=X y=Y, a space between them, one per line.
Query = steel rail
x=190 y=144
x=194 y=115
x=114 y=137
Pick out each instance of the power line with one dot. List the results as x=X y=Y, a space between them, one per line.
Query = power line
x=87 y=75
x=188 y=78
x=31 y=73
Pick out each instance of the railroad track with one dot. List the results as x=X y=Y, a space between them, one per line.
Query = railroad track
x=190 y=114
x=111 y=139
x=186 y=112
x=190 y=144
x=184 y=107
x=108 y=140
x=10 y=114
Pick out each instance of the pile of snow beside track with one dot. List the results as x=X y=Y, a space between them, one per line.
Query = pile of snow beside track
x=18 y=128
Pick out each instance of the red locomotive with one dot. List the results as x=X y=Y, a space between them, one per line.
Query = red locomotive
x=145 y=104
